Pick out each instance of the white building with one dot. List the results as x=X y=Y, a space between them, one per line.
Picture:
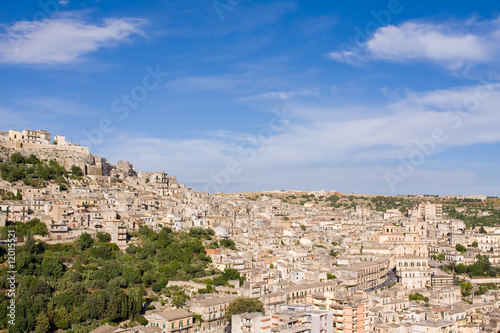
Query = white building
x=413 y=271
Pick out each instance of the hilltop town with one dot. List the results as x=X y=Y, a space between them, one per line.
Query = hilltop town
x=318 y=261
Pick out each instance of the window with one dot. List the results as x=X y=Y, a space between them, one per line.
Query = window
x=172 y=325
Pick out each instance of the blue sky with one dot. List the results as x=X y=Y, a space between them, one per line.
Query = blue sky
x=382 y=97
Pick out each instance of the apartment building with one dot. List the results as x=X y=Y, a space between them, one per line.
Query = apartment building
x=413 y=271
x=427 y=211
x=364 y=274
x=350 y=313
x=298 y=294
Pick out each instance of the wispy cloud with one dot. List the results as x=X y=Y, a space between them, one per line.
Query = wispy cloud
x=150 y=154
x=52 y=105
x=282 y=95
x=332 y=150
x=452 y=45
x=226 y=83
x=64 y=39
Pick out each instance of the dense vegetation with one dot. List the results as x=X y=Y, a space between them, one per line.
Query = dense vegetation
x=6 y=195
x=75 y=285
x=35 y=172
x=481 y=268
x=229 y=274
x=32 y=227
x=472 y=216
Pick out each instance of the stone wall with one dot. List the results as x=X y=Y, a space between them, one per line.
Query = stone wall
x=28 y=145
x=66 y=156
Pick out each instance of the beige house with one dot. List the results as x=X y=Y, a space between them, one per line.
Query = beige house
x=441 y=326
x=212 y=311
x=31 y=136
x=177 y=320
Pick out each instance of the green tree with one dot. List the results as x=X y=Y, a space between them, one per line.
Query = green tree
x=42 y=323
x=330 y=276
x=61 y=318
x=180 y=300
x=482 y=231
x=461 y=269
x=231 y=274
x=39 y=229
x=131 y=249
x=76 y=171
x=460 y=248
x=243 y=304
x=84 y=242
x=103 y=237
x=466 y=288
x=51 y=266
x=441 y=257
x=334 y=253
x=227 y=243
x=17 y=158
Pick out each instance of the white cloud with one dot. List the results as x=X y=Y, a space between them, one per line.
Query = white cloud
x=51 y=105
x=64 y=2
x=332 y=153
x=426 y=41
x=62 y=40
x=173 y=156
x=207 y=83
x=282 y=95
x=447 y=44
x=344 y=56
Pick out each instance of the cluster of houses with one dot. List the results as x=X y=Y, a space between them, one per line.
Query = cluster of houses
x=316 y=268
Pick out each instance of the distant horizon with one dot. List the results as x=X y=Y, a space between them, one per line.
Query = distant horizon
x=190 y=184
